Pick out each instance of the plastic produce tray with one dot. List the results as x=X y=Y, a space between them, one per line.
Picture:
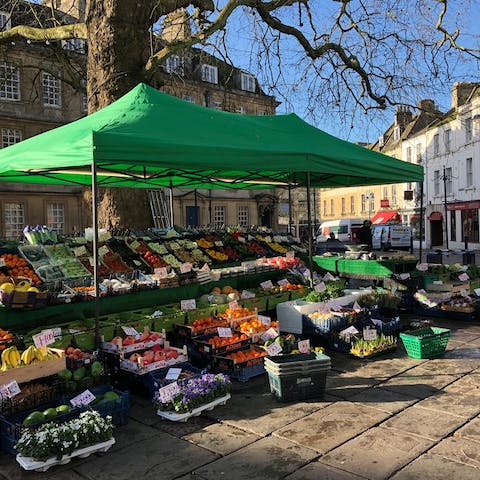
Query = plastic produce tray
x=426 y=342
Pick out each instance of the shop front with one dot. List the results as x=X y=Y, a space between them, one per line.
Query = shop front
x=464 y=225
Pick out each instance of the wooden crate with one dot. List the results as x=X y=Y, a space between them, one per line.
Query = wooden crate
x=35 y=370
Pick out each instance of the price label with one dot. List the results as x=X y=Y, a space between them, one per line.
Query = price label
x=464 y=277
x=268 y=239
x=266 y=285
x=103 y=250
x=423 y=267
x=219 y=243
x=477 y=292
x=348 y=332
x=335 y=307
x=84 y=398
x=306 y=273
x=320 y=287
x=190 y=304
x=224 y=332
x=130 y=331
x=328 y=277
x=241 y=240
x=134 y=245
x=304 y=346
x=168 y=392
x=283 y=283
x=269 y=334
x=290 y=254
x=205 y=268
x=274 y=349
x=369 y=334
x=246 y=294
x=161 y=272
x=185 y=267
x=265 y=320
x=44 y=338
x=173 y=373
x=404 y=276
x=9 y=389
x=2 y=262
x=233 y=305
x=80 y=251
x=91 y=261
x=357 y=307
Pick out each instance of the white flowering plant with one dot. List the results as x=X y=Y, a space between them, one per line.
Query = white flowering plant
x=55 y=440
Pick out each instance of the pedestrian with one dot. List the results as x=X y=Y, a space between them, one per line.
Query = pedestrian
x=364 y=234
x=331 y=237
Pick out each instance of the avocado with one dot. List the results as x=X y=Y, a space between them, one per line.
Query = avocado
x=79 y=373
x=61 y=409
x=111 y=396
x=49 y=413
x=34 y=418
x=65 y=375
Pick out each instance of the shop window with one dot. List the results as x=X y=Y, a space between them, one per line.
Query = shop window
x=52 y=90
x=56 y=217
x=175 y=64
x=243 y=216
x=364 y=203
x=448 y=140
x=448 y=181
x=325 y=211
x=219 y=216
x=14 y=216
x=470 y=224
x=9 y=82
x=409 y=154
x=385 y=193
x=418 y=152
x=10 y=136
x=394 y=194
x=74 y=45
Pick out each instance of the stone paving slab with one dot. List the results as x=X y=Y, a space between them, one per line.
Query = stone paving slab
x=143 y=412
x=221 y=439
x=378 y=453
x=320 y=471
x=432 y=467
x=426 y=423
x=330 y=427
x=451 y=364
x=385 y=400
x=180 y=429
x=385 y=368
x=268 y=459
x=467 y=406
x=132 y=433
x=467 y=385
x=459 y=450
x=161 y=457
x=471 y=431
x=345 y=386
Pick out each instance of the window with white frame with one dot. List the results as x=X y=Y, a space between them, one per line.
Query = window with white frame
x=56 y=217
x=332 y=207
x=243 y=216
x=189 y=98
x=372 y=205
x=436 y=182
x=344 y=206
x=14 y=216
x=219 y=212
x=247 y=82
x=364 y=203
x=448 y=181
x=352 y=204
x=240 y=109
x=394 y=194
x=409 y=154
x=9 y=82
x=261 y=113
x=174 y=64
x=325 y=211
x=74 y=45
x=418 y=152
x=385 y=193
x=5 y=21
x=469 y=171
x=397 y=134
x=448 y=140
x=468 y=129
x=209 y=73
x=52 y=90
x=436 y=144
x=10 y=136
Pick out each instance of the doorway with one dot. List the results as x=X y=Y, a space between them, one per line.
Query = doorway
x=266 y=218
x=436 y=232
x=192 y=216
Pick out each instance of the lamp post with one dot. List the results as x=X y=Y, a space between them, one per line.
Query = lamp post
x=445 y=178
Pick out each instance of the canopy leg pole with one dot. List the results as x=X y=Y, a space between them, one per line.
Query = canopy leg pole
x=309 y=226
x=172 y=217
x=290 y=217
x=95 y=252
x=314 y=209
x=421 y=222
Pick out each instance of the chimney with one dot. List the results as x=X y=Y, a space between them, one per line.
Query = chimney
x=73 y=8
x=427 y=105
x=176 y=26
x=461 y=92
x=403 y=116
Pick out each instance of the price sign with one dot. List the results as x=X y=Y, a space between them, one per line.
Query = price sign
x=357 y=307
x=477 y=292
x=348 y=332
x=274 y=349
x=205 y=268
x=219 y=243
x=2 y=262
x=241 y=240
x=161 y=272
x=185 y=267
x=246 y=294
x=80 y=251
x=91 y=261
x=369 y=334
x=233 y=305
x=423 y=267
x=84 y=398
x=266 y=285
x=290 y=254
x=283 y=283
x=266 y=321
x=224 y=332
x=190 y=304
x=268 y=239
x=270 y=333
x=321 y=287
x=404 y=276
x=304 y=346
x=44 y=338
x=335 y=307
x=103 y=250
x=464 y=277
x=134 y=245
x=173 y=373
x=306 y=273
x=328 y=277
x=130 y=331
x=9 y=389
x=168 y=392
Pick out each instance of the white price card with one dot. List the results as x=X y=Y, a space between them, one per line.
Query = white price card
x=246 y=294
x=404 y=276
x=357 y=307
x=103 y=250
x=349 y=331
x=328 y=277
x=168 y=392
x=270 y=333
x=9 y=389
x=185 y=267
x=233 y=305
x=2 y=262
x=161 y=272
x=84 y=398
x=173 y=373
x=130 y=331
x=304 y=346
x=44 y=338
x=224 y=332
x=57 y=332
x=266 y=285
x=205 y=268
x=219 y=243
x=274 y=349
x=321 y=287
x=265 y=320
x=290 y=254
x=369 y=334
x=241 y=240
x=306 y=273
x=477 y=292
x=335 y=307
x=463 y=277
x=283 y=283
x=189 y=304
x=80 y=251
x=423 y=267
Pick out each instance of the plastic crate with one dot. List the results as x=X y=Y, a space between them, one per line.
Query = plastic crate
x=118 y=409
x=274 y=300
x=260 y=303
x=243 y=371
x=426 y=343
x=320 y=327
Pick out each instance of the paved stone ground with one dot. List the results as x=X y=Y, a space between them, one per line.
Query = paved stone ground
x=391 y=418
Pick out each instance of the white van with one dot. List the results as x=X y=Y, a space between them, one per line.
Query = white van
x=345 y=229
x=389 y=236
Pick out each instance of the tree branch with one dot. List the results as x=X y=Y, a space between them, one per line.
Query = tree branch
x=63 y=32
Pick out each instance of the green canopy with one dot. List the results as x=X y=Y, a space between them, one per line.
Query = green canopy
x=148 y=138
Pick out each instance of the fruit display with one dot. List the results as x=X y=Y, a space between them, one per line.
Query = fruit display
x=256 y=249
x=12 y=358
x=158 y=248
x=115 y=263
x=22 y=286
x=217 y=342
x=73 y=268
x=239 y=313
x=367 y=348
x=127 y=255
x=80 y=377
x=6 y=338
x=49 y=273
x=203 y=243
x=254 y=325
x=243 y=356
x=154 y=260
x=103 y=271
x=202 y=325
x=153 y=359
x=58 y=253
x=131 y=343
x=216 y=255
x=276 y=247
x=35 y=254
x=333 y=289
x=37 y=417
x=186 y=256
x=77 y=357
x=18 y=267
x=171 y=260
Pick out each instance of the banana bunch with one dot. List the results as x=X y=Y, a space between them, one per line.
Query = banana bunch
x=10 y=358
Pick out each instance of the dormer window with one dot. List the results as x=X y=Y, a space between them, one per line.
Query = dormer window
x=381 y=141
x=397 y=134
x=74 y=45
x=247 y=82
x=209 y=74
x=174 y=64
x=5 y=21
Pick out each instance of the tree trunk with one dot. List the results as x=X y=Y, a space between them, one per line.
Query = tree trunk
x=118 y=48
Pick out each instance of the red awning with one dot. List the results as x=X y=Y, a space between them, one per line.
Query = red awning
x=384 y=217
x=435 y=216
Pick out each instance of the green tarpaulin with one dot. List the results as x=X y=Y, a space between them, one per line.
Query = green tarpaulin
x=148 y=138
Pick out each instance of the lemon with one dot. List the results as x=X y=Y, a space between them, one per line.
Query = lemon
x=7 y=287
x=33 y=289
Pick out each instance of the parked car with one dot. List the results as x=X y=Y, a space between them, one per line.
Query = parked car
x=387 y=236
x=344 y=229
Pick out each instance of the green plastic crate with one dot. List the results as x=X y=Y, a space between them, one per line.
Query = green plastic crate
x=302 y=293
x=426 y=342
x=260 y=303
x=171 y=316
x=274 y=300
x=203 y=312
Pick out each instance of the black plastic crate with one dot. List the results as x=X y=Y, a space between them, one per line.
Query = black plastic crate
x=294 y=387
